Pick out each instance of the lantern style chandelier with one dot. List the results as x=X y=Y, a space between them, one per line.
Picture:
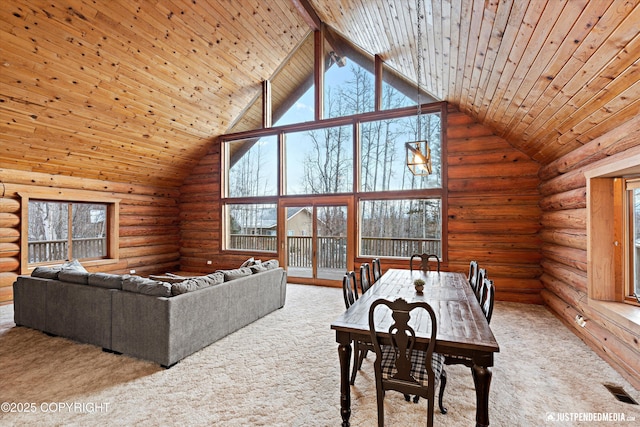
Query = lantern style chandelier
x=418 y=152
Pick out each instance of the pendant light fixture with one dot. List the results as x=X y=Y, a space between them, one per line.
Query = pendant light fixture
x=418 y=152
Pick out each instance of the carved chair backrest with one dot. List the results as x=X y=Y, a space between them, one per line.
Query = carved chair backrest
x=365 y=277
x=377 y=269
x=349 y=289
x=402 y=337
x=425 y=259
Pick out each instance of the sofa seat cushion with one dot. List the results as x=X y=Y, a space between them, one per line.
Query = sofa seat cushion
x=145 y=286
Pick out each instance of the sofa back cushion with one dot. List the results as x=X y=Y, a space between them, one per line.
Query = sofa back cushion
x=73 y=276
x=145 y=286
x=106 y=280
x=46 y=272
x=235 y=273
x=196 y=283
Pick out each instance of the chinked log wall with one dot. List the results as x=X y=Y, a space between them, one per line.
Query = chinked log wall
x=493 y=213
x=564 y=235
x=149 y=223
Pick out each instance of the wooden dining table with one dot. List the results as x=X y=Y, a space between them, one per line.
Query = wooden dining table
x=462 y=328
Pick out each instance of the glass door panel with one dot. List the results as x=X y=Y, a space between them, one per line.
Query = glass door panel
x=299 y=241
x=316 y=241
x=331 y=241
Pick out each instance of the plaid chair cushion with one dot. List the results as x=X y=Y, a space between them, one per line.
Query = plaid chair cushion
x=418 y=369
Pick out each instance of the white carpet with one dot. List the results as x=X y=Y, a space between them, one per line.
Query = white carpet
x=283 y=370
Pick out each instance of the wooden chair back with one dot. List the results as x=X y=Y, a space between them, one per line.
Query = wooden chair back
x=425 y=261
x=377 y=269
x=482 y=274
x=402 y=338
x=365 y=278
x=487 y=297
x=472 y=277
x=349 y=288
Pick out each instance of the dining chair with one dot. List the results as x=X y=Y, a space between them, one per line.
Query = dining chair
x=473 y=273
x=349 y=288
x=360 y=348
x=425 y=264
x=487 y=297
x=482 y=274
x=398 y=365
x=365 y=278
x=377 y=269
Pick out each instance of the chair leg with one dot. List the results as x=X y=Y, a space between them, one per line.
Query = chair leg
x=380 y=399
x=443 y=384
x=356 y=359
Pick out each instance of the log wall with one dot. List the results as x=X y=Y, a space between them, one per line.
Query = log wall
x=149 y=223
x=493 y=213
x=564 y=250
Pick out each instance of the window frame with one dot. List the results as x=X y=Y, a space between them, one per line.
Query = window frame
x=628 y=285
x=226 y=226
x=434 y=193
x=605 y=232
x=355 y=120
x=113 y=227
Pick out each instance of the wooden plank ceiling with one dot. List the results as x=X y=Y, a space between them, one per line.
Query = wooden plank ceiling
x=136 y=91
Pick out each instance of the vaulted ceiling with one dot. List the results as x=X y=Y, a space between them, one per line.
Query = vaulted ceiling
x=136 y=91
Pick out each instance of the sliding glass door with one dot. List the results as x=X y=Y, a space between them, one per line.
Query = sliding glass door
x=316 y=240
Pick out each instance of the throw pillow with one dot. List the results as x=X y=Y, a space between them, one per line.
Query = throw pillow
x=271 y=264
x=258 y=268
x=248 y=263
x=74 y=265
x=217 y=278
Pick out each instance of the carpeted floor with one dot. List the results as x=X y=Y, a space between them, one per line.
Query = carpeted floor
x=283 y=370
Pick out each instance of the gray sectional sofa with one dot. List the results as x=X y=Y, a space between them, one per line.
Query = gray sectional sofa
x=163 y=319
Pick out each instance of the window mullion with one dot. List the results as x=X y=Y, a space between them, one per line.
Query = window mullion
x=70 y=232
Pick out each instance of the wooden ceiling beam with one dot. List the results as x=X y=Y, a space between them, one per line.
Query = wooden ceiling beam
x=308 y=14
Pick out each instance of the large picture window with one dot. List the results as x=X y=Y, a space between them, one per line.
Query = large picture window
x=253 y=167
x=319 y=161
x=383 y=159
x=59 y=230
x=400 y=228
x=362 y=157
x=251 y=226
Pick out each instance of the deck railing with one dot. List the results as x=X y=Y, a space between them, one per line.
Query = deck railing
x=332 y=251
x=58 y=250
